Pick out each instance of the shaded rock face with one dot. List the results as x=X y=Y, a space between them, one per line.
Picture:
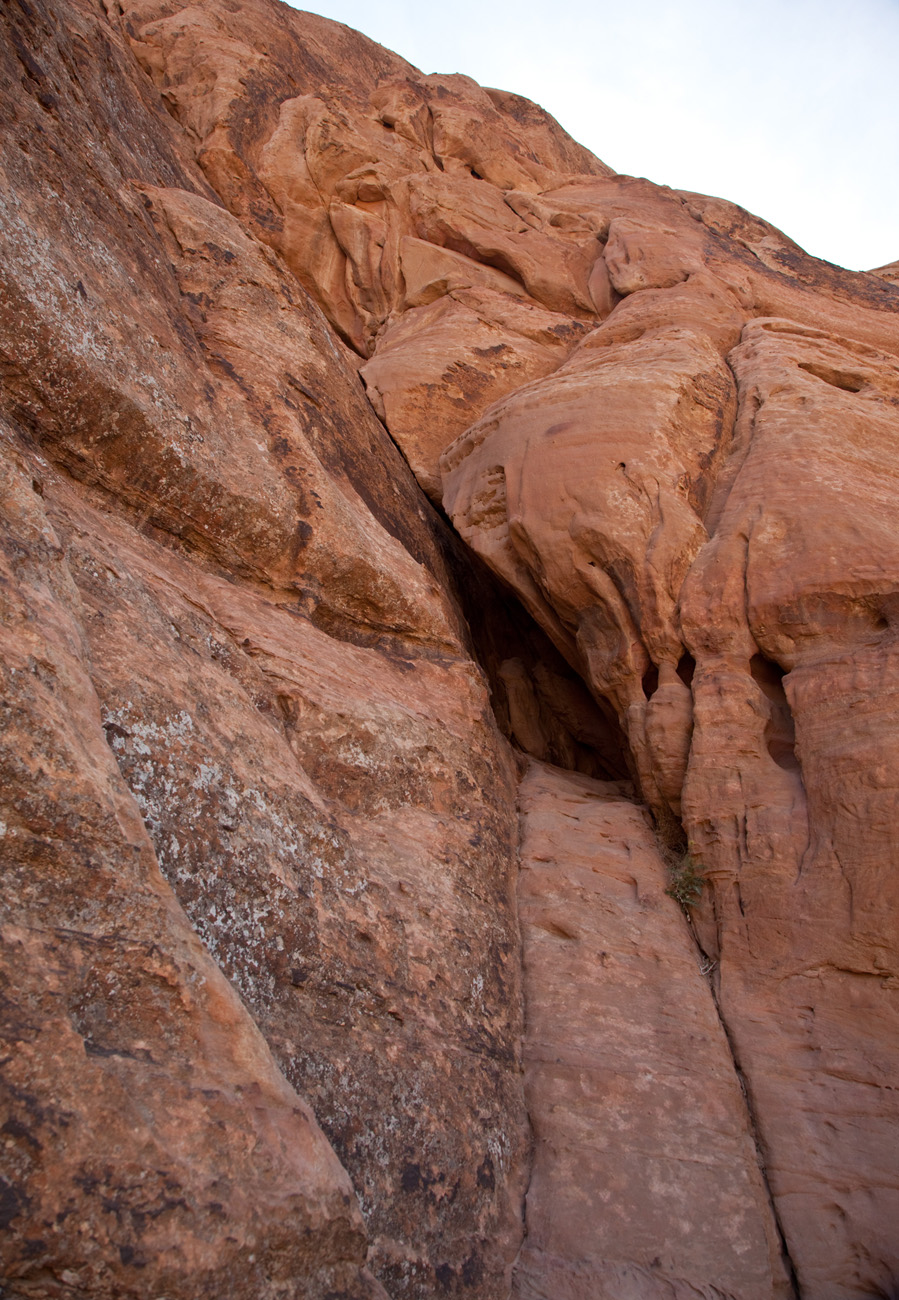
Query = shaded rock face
x=314 y=985
x=228 y=538
x=129 y=1054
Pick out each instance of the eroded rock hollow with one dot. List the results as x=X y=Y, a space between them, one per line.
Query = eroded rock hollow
x=424 y=553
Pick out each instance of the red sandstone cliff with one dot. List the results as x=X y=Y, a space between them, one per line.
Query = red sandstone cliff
x=415 y=538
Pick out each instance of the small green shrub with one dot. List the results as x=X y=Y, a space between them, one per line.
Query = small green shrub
x=685 y=882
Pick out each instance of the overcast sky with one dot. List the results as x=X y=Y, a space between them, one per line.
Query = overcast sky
x=788 y=107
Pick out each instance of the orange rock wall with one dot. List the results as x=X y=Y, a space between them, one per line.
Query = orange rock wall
x=316 y=986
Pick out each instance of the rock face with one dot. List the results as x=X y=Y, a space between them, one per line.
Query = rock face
x=260 y=606
x=129 y=1054
x=315 y=986
x=639 y=1121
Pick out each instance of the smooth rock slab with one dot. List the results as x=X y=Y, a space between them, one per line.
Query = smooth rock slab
x=646 y=1182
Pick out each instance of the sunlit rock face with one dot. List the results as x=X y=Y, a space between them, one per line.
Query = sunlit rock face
x=416 y=540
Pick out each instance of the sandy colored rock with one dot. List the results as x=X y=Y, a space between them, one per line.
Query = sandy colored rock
x=670 y=434
x=585 y=491
x=646 y=1180
x=356 y=150
x=328 y=830
x=151 y=1143
x=889 y=272
x=385 y=190
x=439 y=363
x=263 y=603
x=788 y=714
x=797 y=579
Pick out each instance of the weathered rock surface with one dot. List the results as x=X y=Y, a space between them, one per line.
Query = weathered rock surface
x=791 y=786
x=150 y=1142
x=577 y=491
x=257 y=691
x=639 y=1121
x=889 y=272
x=263 y=609
x=462 y=352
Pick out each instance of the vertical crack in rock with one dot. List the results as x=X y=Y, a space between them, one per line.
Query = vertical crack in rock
x=795 y=1291
x=636 y=1187
x=540 y=703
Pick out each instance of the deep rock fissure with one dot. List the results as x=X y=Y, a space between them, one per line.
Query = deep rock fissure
x=542 y=706
x=511 y=620
x=753 y=1123
x=780 y=729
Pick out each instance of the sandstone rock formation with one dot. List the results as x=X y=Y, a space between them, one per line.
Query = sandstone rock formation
x=129 y=1054
x=889 y=272
x=316 y=985
x=639 y=1121
x=319 y=773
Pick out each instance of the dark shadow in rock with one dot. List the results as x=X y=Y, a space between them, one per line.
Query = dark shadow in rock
x=780 y=730
x=542 y=706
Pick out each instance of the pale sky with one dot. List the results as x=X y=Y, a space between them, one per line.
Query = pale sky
x=787 y=107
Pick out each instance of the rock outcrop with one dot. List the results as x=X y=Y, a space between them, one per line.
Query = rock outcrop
x=259 y=600
x=639 y=1121
x=147 y=1129
x=421 y=548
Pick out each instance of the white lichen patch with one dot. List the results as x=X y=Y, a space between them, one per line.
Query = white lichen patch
x=252 y=866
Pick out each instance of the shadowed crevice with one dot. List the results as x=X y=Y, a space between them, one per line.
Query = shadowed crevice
x=780 y=729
